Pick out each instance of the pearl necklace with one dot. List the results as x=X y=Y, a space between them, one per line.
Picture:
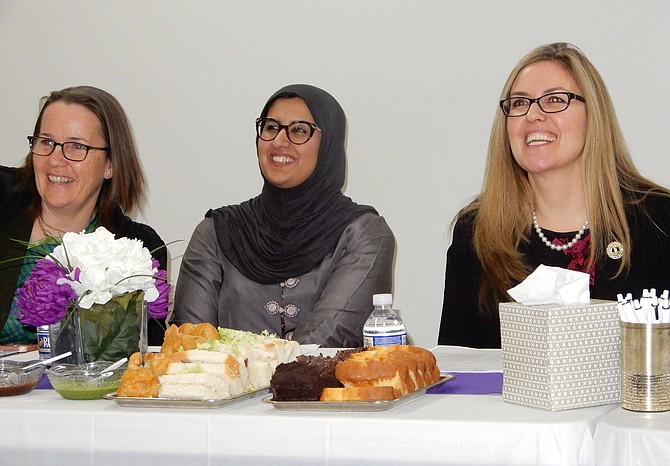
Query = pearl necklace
x=557 y=247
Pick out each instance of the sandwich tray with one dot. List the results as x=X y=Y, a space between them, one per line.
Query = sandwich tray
x=138 y=402
x=353 y=406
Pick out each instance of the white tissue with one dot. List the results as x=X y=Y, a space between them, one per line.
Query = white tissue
x=552 y=285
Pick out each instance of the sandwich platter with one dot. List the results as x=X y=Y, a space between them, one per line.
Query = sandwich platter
x=138 y=402
x=354 y=406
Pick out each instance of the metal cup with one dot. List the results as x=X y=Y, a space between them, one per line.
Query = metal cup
x=645 y=367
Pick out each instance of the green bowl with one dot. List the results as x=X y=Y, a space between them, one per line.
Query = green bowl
x=84 y=381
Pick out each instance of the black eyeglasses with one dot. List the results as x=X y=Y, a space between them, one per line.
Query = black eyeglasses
x=298 y=132
x=74 y=151
x=553 y=102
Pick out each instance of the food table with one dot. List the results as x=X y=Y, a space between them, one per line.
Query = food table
x=43 y=428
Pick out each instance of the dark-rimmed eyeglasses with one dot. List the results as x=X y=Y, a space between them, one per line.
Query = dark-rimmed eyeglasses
x=298 y=132
x=74 y=151
x=553 y=102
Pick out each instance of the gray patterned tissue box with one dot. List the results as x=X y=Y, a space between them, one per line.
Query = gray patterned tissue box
x=557 y=357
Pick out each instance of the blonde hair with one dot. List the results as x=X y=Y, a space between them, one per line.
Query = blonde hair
x=610 y=180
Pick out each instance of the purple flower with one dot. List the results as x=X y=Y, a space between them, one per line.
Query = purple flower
x=159 y=307
x=42 y=301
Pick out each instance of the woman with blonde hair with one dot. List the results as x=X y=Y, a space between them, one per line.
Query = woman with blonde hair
x=560 y=189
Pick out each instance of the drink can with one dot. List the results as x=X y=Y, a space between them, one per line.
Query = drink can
x=43 y=342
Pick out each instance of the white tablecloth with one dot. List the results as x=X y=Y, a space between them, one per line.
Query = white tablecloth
x=633 y=438
x=43 y=428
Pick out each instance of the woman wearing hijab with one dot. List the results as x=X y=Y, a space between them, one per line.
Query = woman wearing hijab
x=300 y=260
x=560 y=189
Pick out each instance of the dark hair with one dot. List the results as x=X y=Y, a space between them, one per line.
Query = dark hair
x=269 y=103
x=281 y=95
x=125 y=189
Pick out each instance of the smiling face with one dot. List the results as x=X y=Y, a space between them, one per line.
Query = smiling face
x=70 y=188
x=544 y=142
x=282 y=163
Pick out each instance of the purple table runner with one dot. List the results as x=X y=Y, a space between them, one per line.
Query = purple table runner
x=465 y=383
x=470 y=383
x=44 y=383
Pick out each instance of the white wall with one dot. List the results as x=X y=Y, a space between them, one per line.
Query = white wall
x=418 y=80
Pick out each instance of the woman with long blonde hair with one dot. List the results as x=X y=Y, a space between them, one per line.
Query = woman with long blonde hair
x=560 y=189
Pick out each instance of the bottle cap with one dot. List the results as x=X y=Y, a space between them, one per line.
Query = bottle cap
x=379 y=299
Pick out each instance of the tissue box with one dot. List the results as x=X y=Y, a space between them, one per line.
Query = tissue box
x=557 y=357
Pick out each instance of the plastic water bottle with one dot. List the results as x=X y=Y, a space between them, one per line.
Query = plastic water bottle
x=384 y=327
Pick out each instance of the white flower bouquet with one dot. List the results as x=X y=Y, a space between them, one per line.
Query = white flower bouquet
x=103 y=280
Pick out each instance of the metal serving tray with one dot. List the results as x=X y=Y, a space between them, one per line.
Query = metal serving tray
x=353 y=406
x=138 y=402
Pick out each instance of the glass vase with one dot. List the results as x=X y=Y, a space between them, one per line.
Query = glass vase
x=105 y=332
